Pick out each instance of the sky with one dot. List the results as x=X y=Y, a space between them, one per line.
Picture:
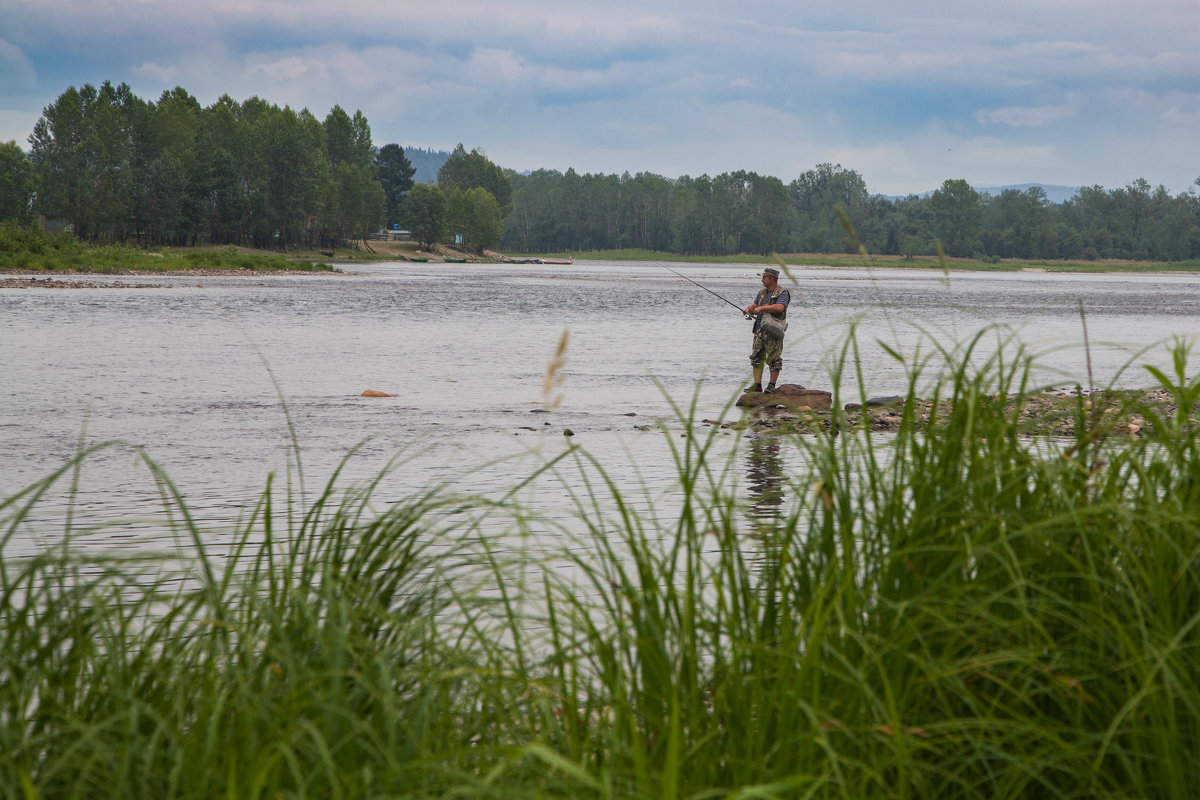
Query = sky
x=908 y=94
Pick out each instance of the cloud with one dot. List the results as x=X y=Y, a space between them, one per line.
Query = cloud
x=490 y=66
x=1070 y=91
x=1029 y=116
x=16 y=70
x=156 y=73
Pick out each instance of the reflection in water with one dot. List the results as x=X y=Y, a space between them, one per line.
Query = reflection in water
x=765 y=489
x=764 y=481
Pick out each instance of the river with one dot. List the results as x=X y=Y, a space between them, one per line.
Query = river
x=216 y=377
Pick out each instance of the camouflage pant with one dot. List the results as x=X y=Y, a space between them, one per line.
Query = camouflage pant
x=767 y=348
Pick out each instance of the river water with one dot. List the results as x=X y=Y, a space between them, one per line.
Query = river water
x=216 y=378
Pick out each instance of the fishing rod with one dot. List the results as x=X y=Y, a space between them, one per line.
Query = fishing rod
x=710 y=291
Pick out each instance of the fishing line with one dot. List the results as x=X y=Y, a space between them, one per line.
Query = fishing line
x=710 y=291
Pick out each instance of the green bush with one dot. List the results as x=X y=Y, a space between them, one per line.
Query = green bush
x=34 y=240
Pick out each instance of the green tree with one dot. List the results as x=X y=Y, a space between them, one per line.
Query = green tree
x=475 y=215
x=957 y=218
x=339 y=136
x=82 y=151
x=761 y=220
x=531 y=223
x=18 y=184
x=425 y=214
x=348 y=138
x=1017 y=224
x=463 y=171
x=571 y=225
x=1180 y=229
x=395 y=174
x=356 y=205
x=354 y=202
x=1092 y=213
x=695 y=222
x=290 y=175
x=1135 y=206
x=816 y=197
x=167 y=202
x=913 y=221
x=880 y=229
x=224 y=172
x=648 y=222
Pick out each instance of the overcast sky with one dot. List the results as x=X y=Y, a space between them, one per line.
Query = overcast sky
x=909 y=94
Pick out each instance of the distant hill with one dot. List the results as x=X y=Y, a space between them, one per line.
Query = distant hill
x=426 y=162
x=1054 y=194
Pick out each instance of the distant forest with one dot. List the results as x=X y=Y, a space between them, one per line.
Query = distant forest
x=114 y=167
x=828 y=210
x=426 y=163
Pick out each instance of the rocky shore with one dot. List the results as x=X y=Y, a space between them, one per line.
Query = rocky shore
x=85 y=280
x=22 y=282
x=1049 y=413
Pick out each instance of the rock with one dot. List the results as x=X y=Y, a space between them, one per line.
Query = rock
x=375 y=393
x=788 y=395
x=877 y=402
x=568 y=432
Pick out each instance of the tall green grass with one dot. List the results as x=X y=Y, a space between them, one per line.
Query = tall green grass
x=950 y=610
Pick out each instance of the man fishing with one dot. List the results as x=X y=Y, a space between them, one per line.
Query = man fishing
x=772 y=299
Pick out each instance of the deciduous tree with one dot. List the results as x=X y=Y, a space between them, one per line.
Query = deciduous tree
x=18 y=185
x=82 y=149
x=425 y=214
x=475 y=215
x=464 y=170
x=957 y=217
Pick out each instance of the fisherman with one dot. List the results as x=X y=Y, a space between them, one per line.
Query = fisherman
x=772 y=299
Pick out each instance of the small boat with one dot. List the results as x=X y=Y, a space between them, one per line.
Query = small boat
x=450 y=260
x=415 y=259
x=558 y=261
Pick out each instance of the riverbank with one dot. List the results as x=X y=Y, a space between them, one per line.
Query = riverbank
x=124 y=260
x=409 y=250
x=899 y=262
x=1057 y=413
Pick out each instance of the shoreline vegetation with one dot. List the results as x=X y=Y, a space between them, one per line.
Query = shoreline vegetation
x=124 y=260
x=949 y=611
x=31 y=251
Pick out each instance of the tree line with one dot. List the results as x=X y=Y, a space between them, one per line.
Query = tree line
x=829 y=210
x=116 y=168
x=171 y=172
